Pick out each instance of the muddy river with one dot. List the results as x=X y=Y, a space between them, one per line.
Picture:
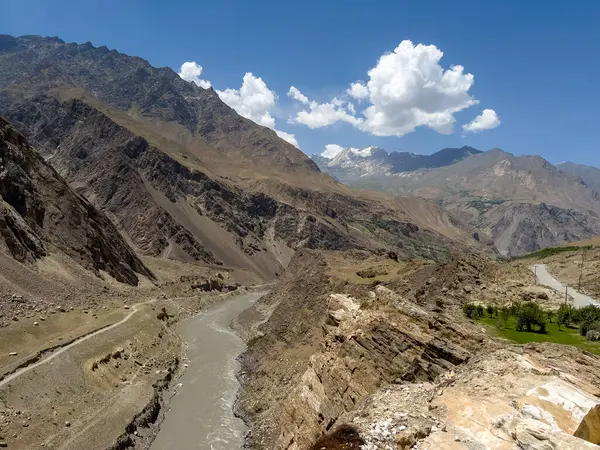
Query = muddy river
x=200 y=414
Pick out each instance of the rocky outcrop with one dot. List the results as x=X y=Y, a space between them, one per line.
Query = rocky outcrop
x=39 y=211
x=399 y=367
x=344 y=346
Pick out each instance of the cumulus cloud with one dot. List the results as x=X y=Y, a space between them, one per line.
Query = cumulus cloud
x=321 y=114
x=406 y=89
x=487 y=120
x=289 y=137
x=297 y=95
x=332 y=150
x=253 y=100
x=358 y=90
x=191 y=71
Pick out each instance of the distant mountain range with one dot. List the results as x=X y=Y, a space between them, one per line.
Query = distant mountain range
x=523 y=203
x=370 y=161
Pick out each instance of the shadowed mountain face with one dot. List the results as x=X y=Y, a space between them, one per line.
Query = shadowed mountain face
x=39 y=212
x=184 y=176
x=523 y=203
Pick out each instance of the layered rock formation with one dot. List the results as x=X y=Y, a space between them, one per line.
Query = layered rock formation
x=39 y=213
x=400 y=366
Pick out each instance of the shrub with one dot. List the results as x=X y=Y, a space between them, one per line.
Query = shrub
x=344 y=437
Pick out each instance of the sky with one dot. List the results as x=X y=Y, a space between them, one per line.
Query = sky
x=403 y=75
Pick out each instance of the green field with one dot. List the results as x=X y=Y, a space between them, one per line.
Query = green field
x=551 y=251
x=566 y=336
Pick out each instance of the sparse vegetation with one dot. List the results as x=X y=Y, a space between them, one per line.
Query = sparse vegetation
x=484 y=205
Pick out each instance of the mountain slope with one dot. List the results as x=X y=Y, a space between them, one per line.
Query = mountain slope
x=523 y=203
x=589 y=174
x=39 y=212
x=131 y=83
x=183 y=176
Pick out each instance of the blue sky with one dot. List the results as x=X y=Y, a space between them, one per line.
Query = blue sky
x=534 y=63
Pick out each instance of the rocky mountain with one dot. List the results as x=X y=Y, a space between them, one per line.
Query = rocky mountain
x=39 y=214
x=523 y=203
x=589 y=174
x=183 y=176
x=352 y=163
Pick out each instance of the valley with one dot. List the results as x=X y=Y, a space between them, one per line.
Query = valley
x=176 y=275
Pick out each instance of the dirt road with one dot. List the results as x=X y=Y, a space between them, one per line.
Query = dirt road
x=544 y=277
x=59 y=352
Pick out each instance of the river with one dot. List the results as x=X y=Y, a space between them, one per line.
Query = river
x=200 y=415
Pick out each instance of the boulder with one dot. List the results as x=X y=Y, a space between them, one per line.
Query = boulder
x=589 y=428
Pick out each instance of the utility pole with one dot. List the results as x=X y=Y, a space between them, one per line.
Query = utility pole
x=583 y=255
x=535 y=272
x=566 y=294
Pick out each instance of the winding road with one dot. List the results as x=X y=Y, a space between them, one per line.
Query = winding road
x=59 y=352
x=544 y=278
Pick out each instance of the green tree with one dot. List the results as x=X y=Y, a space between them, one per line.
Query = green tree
x=564 y=315
x=586 y=317
x=505 y=314
x=529 y=315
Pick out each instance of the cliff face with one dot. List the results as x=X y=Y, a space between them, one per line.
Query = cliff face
x=40 y=210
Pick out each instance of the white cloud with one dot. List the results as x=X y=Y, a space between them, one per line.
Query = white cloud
x=487 y=120
x=254 y=100
x=332 y=150
x=351 y=108
x=191 y=71
x=409 y=88
x=358 y=90
x=291 y=138
x=406 y=89
x=297 y=95
x=321 y=114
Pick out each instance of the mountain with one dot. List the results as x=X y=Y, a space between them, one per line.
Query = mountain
x=589 y=174
x=352 y=163
x=523 y=203
x=39 y=214
x=183 y=176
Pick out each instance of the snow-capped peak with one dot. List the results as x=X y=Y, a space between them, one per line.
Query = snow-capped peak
x=334 y=150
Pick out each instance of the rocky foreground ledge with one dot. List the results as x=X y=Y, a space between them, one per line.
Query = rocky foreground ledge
x=390 y=362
